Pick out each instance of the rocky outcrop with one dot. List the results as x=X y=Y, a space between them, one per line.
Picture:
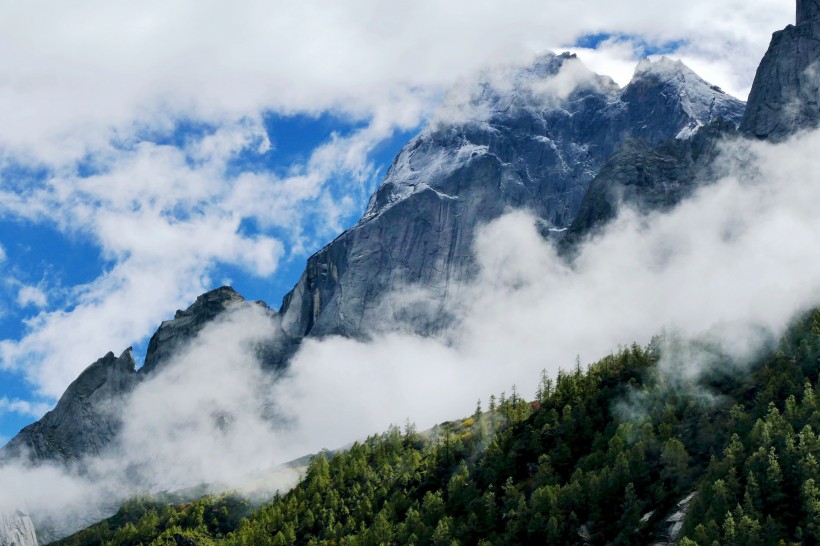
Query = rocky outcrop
x=17 y=529
x=537 y=147
x=785 y=96
x=88 y=416
x=85 y=420
x=648 y=179
x=807 y=11
x=173 y=334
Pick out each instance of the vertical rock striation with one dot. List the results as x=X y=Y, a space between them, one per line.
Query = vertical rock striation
x=785 y=96
x=17 y=529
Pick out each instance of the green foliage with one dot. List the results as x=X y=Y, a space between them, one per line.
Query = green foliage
x=607 y=453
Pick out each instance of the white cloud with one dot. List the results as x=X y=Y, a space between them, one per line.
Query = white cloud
x=730 y=264
x=23 y=407
x=69 y=86
x=167 y=217
x=31 y=295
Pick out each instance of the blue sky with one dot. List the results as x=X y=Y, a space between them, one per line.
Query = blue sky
x=53 y=263
x=166 y=150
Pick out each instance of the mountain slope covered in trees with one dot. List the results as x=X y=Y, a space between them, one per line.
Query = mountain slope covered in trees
x=619 y=453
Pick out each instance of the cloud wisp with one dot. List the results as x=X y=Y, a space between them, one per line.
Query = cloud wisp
x=165 y=218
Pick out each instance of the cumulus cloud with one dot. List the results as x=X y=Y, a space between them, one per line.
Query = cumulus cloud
x=69 y=86
x=166 y=217
x=31 y=295
x=730 y=265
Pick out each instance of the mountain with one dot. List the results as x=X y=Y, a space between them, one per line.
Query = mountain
x=536 y=146
x=785 y=99
x=534 y=139
x=785 y=96
x=735 y=467
x=571 y=147
x=648 y=179
x=87 y=418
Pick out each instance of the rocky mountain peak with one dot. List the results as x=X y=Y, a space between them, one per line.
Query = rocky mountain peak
x=102 y=372
x=808 y=11
x=662 y=66
x=533 y=139
x=785 y=96
x=668 y=86
x=186 y=324
x=87 y=417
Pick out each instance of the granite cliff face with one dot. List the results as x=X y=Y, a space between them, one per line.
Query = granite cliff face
x=17 y=529
x=537 y=147
x=649 y=179
x=785 y=97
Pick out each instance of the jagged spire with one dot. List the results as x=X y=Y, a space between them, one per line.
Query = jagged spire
x=807 y=11
x=783 y=99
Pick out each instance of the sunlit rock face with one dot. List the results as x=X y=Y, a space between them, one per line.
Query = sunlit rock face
x=17 y=529
x=785 y=97
x=535 y=142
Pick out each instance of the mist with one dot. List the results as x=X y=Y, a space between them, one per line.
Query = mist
x=733 y=264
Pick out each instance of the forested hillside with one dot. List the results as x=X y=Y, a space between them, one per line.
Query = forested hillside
x=607 y=455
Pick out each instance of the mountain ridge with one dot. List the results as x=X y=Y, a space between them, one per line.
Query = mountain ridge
x=537 y=146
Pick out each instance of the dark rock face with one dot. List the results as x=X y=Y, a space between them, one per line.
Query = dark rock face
x=807 y=11
x=172 y=334
x=785 y=99
x=86 y=419
x=88 y=416
x=785 y=96
x=520 y=149
x=649 y=179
